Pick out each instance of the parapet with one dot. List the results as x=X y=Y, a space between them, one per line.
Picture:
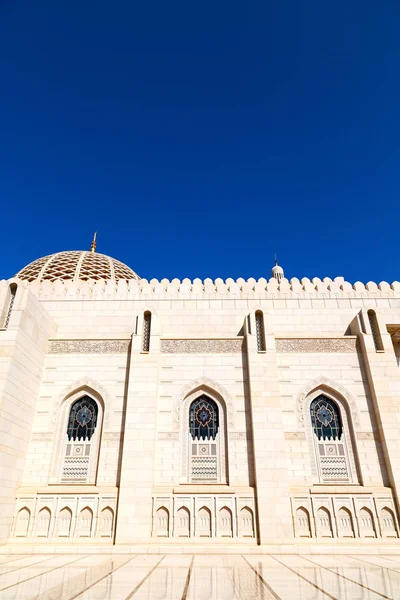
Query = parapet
x=208 y=289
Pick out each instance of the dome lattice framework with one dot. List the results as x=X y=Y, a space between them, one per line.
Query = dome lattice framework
x=76 y=265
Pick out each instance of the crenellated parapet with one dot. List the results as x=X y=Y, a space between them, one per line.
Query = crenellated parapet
x=197 y=289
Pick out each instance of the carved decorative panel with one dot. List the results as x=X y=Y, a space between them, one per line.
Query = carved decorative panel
x=168 y=435
x=231 y=346
x=295 y=435
x=75 y=467
x=365 y=435
x=327 y=345
x=89 y=346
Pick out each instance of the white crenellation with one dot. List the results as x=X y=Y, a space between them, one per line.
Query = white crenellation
x=197 y=289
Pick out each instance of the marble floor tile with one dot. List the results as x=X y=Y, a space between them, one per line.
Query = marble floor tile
x=199 y=577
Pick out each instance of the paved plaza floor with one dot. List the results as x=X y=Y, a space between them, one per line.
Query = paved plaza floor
x=199 y=577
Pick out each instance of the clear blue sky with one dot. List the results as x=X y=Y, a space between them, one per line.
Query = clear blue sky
x=199 y=138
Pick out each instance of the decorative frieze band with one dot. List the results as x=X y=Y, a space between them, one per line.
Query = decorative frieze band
x=227 y=346
x=89 y=346
x=334 y=345
x=295 y=435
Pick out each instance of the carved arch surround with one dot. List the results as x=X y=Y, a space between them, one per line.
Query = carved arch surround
x=62 y=408
x=209 y=387
x=349 y=415
x=331 y=387
x=225 y=407
x=86 y=386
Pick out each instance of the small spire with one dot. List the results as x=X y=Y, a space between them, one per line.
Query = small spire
x=94 y=243
x=277 y=271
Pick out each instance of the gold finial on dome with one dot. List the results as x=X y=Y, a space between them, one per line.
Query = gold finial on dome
x=94 y=243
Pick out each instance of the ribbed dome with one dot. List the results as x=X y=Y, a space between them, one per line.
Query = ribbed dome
x=76 y=265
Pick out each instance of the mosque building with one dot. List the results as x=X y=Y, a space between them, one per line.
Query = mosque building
x=138 y=411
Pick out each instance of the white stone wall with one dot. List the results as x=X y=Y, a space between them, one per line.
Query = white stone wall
x=202 y=339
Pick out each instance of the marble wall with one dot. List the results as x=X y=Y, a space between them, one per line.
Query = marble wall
x=64 y=341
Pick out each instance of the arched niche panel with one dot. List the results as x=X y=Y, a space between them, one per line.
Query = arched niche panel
x=22 y=522
x=162 y=522
x=64 y=522
x=43 y=519
x=246 y=522
x=182 y=522
x=388 y=523
x=203 y=522
x=366 y=523
x=85 y=522
x=345 y=523
x=225 y=522
x=324 y=523
x=303 y=525
x=106 y=524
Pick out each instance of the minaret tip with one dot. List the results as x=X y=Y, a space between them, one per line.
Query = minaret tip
x=277 y=271
x=94 y=243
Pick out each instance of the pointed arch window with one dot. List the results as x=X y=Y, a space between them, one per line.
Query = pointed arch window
x=325 y=419
x=81 y=444
x=82 y=419
x=203 y=419
x=331 y=440
x=206 y=441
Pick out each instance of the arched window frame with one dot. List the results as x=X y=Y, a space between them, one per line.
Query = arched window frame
x=348 y=436
x=61 y=438
x=185 y=476
x=146 y=333
x=260 y=331
x=375 y=330
x=8 y=305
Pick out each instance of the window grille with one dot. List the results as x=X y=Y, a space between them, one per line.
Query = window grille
x=13 y=291
x=376 y=335
x=260 y=331
x=325 y=419
x=146 y=331
x=82 y=419
x=203 y=419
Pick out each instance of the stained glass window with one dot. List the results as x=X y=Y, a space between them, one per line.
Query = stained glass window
x=82 y=419
x=203 y=419
x=325 y=419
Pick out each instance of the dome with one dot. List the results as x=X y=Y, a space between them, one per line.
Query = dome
x=76 y=266
x=277 y=272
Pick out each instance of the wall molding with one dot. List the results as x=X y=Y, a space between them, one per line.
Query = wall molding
x=323 y=345
x=89 y=346
x=202 y=346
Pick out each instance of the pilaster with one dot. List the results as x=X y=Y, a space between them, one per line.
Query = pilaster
x=23 y=346
x=134 y=519
x=272 y=486
x=384 y=383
